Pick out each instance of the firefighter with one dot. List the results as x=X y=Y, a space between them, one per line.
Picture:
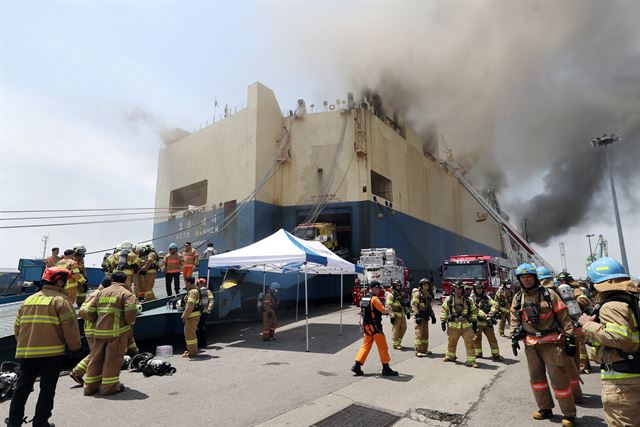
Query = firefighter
x=126 y=261
x=394 y=304
x=148 y=271
x=487 y=313
x=80 y=369
x=504 y=296
x=191 y=316
x=172 y=268
x=372 y=311
x=45 y=325
x=613 y=336
x=69 y=262
x=53 y=259
x=545 y=277
x=206 y=300
x=81 y=251
x=421 y=305
x=269 y=307
x=459 y=318
x=113 y=311
x=540 y=318
x=189 y=260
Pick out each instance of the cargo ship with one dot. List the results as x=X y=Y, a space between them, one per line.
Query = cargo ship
x=352 y=163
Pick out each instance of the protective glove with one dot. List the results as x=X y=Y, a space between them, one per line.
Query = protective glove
x=444 y=326
x=515 y=346
x=418 y=321
x=474 y=326
x=393 y=320
x=433 y=319
x=570 y=346
x=408 y=315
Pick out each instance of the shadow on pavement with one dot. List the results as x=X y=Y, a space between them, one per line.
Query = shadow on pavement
x=591 y=421
x=590 y=401
x=127 y=394
x=323 y=338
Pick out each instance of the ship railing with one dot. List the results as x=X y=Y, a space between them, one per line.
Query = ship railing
x=225 y=112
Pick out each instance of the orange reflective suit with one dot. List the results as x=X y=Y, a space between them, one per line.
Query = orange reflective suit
x=373 y=333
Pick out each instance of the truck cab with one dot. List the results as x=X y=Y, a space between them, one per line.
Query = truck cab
x=490 y=271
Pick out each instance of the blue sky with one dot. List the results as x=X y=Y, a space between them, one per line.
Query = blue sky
x=72 y=74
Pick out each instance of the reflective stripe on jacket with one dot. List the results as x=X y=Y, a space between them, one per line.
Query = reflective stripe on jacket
x=173 y=263
x=45 y=324
x=113 y=310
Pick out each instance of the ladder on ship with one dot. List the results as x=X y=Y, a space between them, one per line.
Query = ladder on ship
x=511 y=235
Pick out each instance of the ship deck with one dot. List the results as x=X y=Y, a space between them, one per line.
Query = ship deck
x=239 y=380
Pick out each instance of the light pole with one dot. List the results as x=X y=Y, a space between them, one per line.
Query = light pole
x=590 y=259
x=604 y=141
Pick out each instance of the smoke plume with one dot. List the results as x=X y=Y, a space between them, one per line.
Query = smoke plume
x=518 y=89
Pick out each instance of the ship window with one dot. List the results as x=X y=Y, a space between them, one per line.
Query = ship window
x=191 y=195
x=381 y=186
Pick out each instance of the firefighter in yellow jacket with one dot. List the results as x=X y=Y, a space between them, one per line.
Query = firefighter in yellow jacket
x=269 y=307
x=80 y=251
x=149 y=266
x=459 y=317
x=504 y=296
x=394 y=304
x=44 y=326
x=205 y=294
x=540 y=318
x=614 y=336
x=125 y=261
x=191 y=316
x=113 y=311
x=487 y=312
x=582 y=358
x=421 y=305
x=69 y=263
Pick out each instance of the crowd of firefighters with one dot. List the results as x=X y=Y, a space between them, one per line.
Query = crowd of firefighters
x=555 y=320
x=554 y=332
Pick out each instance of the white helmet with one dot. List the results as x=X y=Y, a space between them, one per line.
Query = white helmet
x=126 y=245
x=150 y=246
x=79 y=248
x=139 y=308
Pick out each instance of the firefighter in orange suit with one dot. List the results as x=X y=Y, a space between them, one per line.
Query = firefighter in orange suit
x=191 y=316
x=614 y=336
x=113 y=311
x=172 y=267
x=459 y=317
x=541 y=319
x=371 y=311
x=189 y=260
x=69 y=263
x=44 y=326
x=269 y=307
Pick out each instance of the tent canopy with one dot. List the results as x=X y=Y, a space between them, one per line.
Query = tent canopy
x=283 y=252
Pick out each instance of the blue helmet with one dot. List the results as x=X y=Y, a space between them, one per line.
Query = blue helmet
x=526 y=268
x=606 y=268
x=274 y=286
x=173 y=246
x=544 y=273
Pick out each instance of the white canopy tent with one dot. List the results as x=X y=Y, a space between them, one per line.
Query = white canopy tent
x=283 y=252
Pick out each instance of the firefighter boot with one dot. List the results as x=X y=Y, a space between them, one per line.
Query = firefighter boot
x=357 y=370
x=568 y=421
x=471 y=364
x=542 y=414
x=386 y=370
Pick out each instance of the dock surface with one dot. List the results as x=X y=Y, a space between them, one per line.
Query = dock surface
x=242 y=381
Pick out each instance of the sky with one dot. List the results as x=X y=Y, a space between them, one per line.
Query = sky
x=85 y=87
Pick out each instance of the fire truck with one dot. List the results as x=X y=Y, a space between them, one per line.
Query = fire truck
x=491 y=271
x=383 y=265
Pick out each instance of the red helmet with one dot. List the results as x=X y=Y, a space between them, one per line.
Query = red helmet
x=53 y=274
x=202 y=281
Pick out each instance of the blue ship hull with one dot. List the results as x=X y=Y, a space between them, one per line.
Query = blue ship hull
x=421 y=245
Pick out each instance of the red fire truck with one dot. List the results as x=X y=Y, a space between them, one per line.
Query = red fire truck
x=383 y=265
x=491 y=271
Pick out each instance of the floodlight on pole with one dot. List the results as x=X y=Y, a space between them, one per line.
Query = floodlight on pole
x=590 y=258
x=605 y=141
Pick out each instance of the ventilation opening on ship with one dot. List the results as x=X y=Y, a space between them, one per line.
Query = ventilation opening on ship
x=190 y=195
x=343 y=232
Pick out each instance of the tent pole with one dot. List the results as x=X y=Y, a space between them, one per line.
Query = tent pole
x=341 y=298
x=264 y=280
x=306 y=306
x=297 y=294
x=208 y=277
